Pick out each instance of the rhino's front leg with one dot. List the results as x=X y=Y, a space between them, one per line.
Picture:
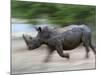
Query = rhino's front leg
x=50 y=52
x=59 y=49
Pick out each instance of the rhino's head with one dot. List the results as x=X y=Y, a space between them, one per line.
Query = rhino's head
x=32 y=43
x=44 y=34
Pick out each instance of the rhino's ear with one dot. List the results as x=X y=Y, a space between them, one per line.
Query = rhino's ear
x=39 y=29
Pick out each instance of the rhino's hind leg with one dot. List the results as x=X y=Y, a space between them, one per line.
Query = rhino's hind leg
x=85 y=41
x=92 y=47
x=87 y=51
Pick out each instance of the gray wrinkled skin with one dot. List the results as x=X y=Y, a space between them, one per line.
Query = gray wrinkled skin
x=67 y=40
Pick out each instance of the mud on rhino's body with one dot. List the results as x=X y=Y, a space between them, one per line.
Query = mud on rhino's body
x=67 y=40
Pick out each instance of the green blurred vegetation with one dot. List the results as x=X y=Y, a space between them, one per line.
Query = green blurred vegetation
x=61 y=14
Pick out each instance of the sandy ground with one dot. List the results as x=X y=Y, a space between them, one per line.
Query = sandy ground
x=25 y=61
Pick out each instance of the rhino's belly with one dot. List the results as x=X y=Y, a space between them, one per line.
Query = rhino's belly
x=70 y=46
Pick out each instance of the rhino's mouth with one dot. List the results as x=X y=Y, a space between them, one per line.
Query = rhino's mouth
x=30 y=48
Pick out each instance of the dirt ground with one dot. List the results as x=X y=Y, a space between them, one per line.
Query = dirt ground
x=25 y=61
